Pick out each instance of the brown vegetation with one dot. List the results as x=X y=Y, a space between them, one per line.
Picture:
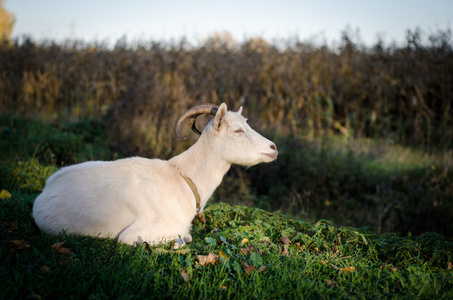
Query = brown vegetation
x=399 y=93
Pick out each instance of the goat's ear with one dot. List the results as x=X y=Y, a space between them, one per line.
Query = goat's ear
x=219 y=116
x=240 y=110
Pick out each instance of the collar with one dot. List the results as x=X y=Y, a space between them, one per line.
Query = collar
x=193 y=187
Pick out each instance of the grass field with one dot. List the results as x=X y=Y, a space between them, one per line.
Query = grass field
x=237 y=252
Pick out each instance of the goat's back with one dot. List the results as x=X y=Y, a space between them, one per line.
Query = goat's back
x=103 y=198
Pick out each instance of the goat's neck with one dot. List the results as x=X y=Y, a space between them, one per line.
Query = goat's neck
x=203 y=165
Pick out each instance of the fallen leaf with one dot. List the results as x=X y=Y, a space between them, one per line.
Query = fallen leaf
x=223 y=254
x=331 y=283
x=60 y=250
x=18 y=245
x=64 y=263
x=56 y=245
x=349 y=269
x=209 y=259
x=300 y=246
x=248 y=250
x=63 y=250
x=161 y=250
x=284 y=240
x=164 y=251
x=261 y=269
x=4 y=194
x=183 y=251
x=46 y=269
x=390 y=266
x=10 y=227
x=245 y=251
x=201 y=218
x=248 y=268
x=184 y=276
x=285 y=250
x=393 y=268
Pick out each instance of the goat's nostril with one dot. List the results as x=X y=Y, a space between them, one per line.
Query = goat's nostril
x=273 y=147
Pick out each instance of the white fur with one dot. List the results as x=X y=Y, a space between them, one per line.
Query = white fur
x=137 y=199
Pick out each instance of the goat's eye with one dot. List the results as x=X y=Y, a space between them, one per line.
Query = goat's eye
x=239 y=131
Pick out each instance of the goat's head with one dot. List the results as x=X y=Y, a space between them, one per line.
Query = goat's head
x=229 y=132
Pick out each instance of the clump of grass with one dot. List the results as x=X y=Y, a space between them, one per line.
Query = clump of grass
x=27 y=175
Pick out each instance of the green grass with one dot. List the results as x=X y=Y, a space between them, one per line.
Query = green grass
x=257 y=254
x=55 y=144
x=353 y=182
x=321 y=261
x=359 y=182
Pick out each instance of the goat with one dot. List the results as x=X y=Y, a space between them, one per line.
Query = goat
x=136 y=199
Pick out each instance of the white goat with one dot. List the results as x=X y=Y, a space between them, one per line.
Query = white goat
x=139 y=200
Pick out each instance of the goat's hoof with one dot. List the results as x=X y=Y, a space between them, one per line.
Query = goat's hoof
x=178 y=243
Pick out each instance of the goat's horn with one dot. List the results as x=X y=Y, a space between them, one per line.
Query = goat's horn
x=193 y=113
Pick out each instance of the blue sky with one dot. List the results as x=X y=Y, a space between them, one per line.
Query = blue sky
x=318 y=21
